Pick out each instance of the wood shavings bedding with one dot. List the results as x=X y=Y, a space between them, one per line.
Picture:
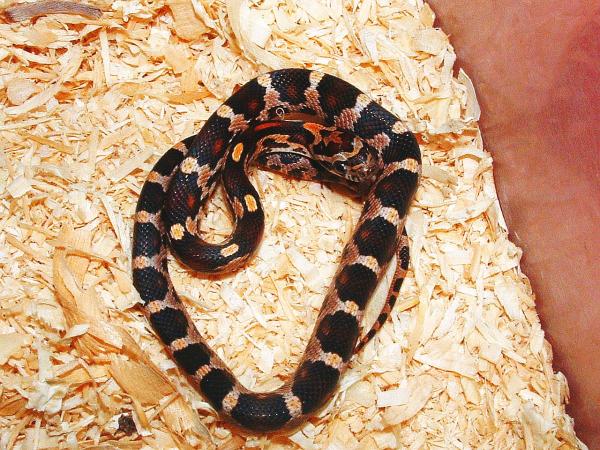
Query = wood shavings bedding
x=89 y=104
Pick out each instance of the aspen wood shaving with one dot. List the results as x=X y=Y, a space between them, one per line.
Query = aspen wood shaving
x=26 y=11
x=87 y=105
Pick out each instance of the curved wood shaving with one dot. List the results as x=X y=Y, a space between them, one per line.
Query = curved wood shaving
x=26 y=11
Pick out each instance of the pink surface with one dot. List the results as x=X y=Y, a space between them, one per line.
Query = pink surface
x=536 y=69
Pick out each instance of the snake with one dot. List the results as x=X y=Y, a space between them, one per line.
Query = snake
x=308 y=125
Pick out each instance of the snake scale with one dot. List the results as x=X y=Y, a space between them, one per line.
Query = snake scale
x=352 y=141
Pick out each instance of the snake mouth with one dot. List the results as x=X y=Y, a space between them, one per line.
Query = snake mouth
x=298 y=116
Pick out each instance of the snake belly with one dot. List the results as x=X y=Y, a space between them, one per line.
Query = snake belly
x=183 y=179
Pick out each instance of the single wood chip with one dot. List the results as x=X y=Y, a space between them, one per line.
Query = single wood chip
x=25 y=11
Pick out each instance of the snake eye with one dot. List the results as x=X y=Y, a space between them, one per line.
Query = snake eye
x=339 y=166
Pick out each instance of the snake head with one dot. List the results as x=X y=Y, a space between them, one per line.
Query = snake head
x=350 y=159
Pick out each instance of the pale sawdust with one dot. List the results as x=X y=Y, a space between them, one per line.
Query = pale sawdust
x=87 y=108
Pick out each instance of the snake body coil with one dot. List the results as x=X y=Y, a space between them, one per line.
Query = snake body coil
x=358 y=144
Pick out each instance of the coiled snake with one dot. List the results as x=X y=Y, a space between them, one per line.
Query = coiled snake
x=356 y=143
